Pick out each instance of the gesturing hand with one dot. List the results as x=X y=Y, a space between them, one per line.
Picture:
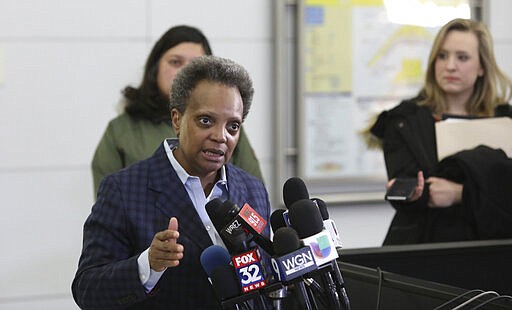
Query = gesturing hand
x=164 y=250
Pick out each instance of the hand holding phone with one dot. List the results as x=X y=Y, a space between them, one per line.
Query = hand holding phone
x=402 y=189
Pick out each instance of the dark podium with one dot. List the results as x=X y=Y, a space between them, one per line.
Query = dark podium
x=427 y=275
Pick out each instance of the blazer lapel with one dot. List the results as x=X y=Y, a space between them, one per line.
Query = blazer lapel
x=173 y=200
x=237 y=188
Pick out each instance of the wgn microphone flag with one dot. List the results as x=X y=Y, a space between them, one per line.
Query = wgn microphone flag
x=292 y=260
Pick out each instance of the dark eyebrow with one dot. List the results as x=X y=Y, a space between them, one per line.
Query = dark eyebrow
x=176 y=56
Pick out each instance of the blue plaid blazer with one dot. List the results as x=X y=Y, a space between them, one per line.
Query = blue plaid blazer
x=132 y=205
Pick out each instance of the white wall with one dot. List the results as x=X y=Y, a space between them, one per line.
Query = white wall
x=500 y=24
x=62 y=66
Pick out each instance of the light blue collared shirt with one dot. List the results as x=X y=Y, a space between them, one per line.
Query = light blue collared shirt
x=195 y=191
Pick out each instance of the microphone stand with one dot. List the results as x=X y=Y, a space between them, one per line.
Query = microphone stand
x=261 y=302
x=334 y=298
x=304 y=294
x=277 y=297
x=316 y=292
x=311 y=297
x=324 y=273
x=340 y=285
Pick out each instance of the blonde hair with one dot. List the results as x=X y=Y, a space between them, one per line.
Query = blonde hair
x=491 y=89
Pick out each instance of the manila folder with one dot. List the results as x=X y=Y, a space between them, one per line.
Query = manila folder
x=454 y=135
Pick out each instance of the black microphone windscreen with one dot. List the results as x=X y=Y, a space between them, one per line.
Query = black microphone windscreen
x=294 y=189
x=322 y=207
x=229 y=209
x=220 y=213
x=225 y=282
x=212 y=257
x=305 y=218
x=212 y=209
x=236 y=242
x=286 y=240
x=277 y=220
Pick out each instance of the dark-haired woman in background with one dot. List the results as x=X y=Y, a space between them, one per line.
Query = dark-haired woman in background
x=144 y=123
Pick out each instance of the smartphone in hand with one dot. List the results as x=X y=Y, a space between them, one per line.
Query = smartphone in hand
x=402 y=189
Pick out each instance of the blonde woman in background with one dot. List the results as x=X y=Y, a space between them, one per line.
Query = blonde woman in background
x=457 y=198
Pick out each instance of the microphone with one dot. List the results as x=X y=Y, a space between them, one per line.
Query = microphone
x=294 y=263
x=293 y=260
x=212 y=257
x=294 y=189
x=216 y=263
x=237 y=228
x=277 y=220
x=249 y=270
x=306 y=219
x=250 y=274
x=229 y=219
x=329 y=224
x=220 y=213
x=322 y=207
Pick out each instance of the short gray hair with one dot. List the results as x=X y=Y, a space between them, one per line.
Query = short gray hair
x=213 y=69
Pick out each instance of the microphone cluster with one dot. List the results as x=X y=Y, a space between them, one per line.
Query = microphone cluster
x=302 y=261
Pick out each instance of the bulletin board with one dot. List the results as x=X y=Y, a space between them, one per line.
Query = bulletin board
x=357 y=60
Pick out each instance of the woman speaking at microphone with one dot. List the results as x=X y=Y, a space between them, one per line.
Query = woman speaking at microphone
x=148 y=227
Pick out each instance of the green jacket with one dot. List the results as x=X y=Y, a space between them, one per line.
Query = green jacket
x=127 y=140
